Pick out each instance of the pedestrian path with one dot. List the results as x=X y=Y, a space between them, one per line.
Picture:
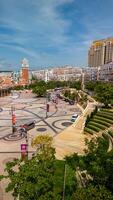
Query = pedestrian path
x=72 y=139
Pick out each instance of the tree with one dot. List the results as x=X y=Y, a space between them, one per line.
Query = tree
x=42 y=141
x=33 y=179
x=40 y=91
x=104 y=93
x=75 y=84
x=94 y=193
x=72 y=160
x=91 y=85
x=73 y=96
x=97 y=163
x=51 y=84
x=83 y=98
x=67 y=93
x=70 y=182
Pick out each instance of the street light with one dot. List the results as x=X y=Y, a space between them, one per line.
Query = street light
x=26 y=137
x=13 y=119
x=24 y=131
x=13 y=114
x=47 y=105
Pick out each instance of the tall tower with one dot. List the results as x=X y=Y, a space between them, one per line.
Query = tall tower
x=25 y=72
x=100 y=52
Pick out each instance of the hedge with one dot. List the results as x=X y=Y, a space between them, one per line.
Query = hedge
x=106 y=138
x=106 y=110
x=101 y=122
x=93 y=128
x=110 y=133
x=104 y=119
x=104 y=115
x=97 y=125
x=107 y=113
x=88 y=130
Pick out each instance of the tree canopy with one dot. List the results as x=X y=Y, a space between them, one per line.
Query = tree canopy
x=33 y=178
x=97 y=162
x=40 y=87
x=93 y=193
x=44 y=177
x=103 y=92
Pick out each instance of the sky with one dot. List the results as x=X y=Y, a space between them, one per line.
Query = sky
x=51 y=32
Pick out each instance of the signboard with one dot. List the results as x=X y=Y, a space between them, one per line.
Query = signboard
x=23 y=147
x=23 y=151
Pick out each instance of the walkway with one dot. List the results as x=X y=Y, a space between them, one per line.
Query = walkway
x=72 y=139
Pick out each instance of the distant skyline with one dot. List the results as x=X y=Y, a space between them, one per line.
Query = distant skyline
x=51 y=32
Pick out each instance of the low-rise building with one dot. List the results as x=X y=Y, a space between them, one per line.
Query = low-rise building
x=65 y=73
x=102 y=73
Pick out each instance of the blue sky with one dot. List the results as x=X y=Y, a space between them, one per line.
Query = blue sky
x=51 y=32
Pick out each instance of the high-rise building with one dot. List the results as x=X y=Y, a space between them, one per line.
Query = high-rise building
x=100 y=52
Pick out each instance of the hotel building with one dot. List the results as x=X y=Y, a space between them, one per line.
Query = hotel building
x=100 y=52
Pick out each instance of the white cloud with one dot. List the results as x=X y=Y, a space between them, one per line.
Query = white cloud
x=40 y=31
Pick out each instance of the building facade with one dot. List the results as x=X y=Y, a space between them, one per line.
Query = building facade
x=24 y=75
x=91 y=74
x=106 y=72
x=66 y=73
x=100 y=52
x=6 y=78
x=103 y=73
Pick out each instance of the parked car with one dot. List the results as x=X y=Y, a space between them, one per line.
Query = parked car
x=29 y=125
x=74 y=117
x=66 y=100
x=71 y=102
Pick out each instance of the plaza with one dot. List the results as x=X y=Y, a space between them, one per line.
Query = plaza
x=28 y=107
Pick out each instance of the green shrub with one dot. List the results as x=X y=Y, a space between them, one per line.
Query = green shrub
x=88 y=131
x=94 y=112
x=93 y=128
x=101 y=122
x=87 y=120
x=110 y=133
x=106 y=137
x=107 y=113
x=104 y=115
x=97 y=125
x=89 y=117
x=58 y=176
x=104 y=119
x=106 y=110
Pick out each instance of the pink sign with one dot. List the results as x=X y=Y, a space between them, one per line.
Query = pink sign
x=23 y=147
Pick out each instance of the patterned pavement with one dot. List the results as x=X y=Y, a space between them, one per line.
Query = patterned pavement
x=29 y=108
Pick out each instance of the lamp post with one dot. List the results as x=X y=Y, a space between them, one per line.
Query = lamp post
x=24 y=147
x=13 y=115
x=13 y=119
x=27 y=144
x=47 y=105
